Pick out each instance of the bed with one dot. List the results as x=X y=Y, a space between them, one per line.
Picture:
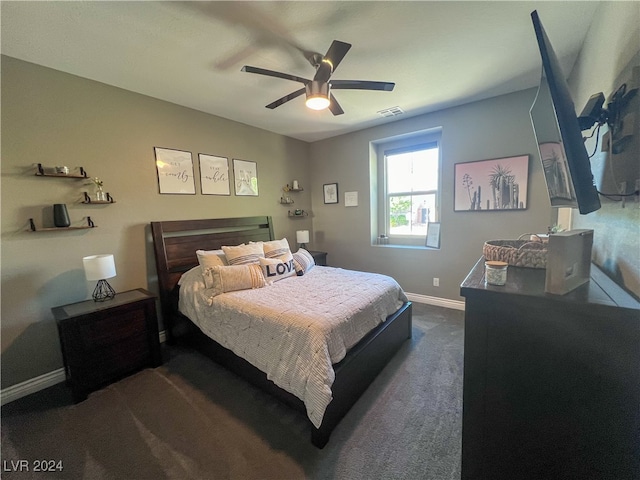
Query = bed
x=175 y=244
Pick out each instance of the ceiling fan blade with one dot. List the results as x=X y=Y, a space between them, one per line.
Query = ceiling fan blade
x=331 y=60
x=361 y=85
x=285 y=99
x=334 y=106
x=336 y=53
x=271 y=73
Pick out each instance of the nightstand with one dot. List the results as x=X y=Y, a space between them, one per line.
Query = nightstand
x=105 y=341
x=319 y=257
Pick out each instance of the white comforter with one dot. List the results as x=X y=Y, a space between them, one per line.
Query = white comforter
x=297 y=328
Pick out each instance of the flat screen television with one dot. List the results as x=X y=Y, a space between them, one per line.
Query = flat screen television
x=565 y=160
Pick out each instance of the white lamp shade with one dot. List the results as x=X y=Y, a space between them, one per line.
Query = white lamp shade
x=302 y=236
x=99 y=267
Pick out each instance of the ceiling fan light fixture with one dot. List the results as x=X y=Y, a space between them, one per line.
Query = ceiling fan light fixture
x=317 y=95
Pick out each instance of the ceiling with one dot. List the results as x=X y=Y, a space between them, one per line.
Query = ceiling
x=439 y=54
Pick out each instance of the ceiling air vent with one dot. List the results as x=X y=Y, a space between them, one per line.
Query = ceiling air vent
x=391 y=112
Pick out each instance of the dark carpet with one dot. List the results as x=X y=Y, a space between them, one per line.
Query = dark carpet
x=192 y=419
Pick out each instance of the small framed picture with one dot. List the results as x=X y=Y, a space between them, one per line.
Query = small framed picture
x=330 y=191
x=433 y=235
x=245 y=177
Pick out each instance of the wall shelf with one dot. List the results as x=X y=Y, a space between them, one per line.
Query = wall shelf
x=88 y=201
x=298 y=215
x=33 y=228
x=41 y=172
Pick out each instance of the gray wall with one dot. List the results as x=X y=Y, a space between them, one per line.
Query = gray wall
x=608 y=56
x=494 y=128
x=59 y=119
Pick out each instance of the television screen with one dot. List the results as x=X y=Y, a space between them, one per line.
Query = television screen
x=565 y=160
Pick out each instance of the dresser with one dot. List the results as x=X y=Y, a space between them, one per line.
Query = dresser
x=551 y=382
x=105 y=341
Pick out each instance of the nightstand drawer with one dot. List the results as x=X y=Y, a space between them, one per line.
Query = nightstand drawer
x=107 y=364
x=111 y=328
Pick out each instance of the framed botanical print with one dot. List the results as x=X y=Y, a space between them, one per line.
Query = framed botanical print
x=330 y=191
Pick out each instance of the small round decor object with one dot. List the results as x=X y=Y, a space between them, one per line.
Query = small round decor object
x=495 y=272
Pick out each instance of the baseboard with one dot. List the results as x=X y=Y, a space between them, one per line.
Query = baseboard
x=436 y=301
x=47 y=380
x=14 y=392
x=34 y=385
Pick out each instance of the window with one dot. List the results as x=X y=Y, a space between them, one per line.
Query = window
x=412 y=189
x=408 y=179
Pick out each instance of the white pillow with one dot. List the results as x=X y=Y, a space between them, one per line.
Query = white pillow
x=275 y=269
x=303 y=261
x=230 y=278
x=243 y=254
x=277 y=249
x=211 y=258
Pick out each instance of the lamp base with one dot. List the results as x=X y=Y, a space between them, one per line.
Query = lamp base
x=103 y=291
x=302 y=245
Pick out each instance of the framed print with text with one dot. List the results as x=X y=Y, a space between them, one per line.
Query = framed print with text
x=175 y=171
x=214 y=175
x=245 y=176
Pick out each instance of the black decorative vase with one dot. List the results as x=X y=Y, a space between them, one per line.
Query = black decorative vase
x=60 y=215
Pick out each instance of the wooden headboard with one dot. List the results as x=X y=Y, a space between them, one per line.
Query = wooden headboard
x=175 y=243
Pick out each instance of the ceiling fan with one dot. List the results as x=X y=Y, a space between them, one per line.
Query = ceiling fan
x=318 y=90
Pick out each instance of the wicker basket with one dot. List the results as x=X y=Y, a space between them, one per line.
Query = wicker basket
x=519 y=253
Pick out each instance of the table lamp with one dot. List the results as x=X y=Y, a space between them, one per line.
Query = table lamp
x=100 y=267
x=302 y=237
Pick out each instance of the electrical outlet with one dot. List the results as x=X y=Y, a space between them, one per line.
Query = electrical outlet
x=436 y=282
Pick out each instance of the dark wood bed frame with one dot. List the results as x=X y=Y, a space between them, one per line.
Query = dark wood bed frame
x=175 y=244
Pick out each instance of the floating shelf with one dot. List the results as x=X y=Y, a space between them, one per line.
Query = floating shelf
x=284 y=201
x=32 y=227
x=41 y=173
x=87 y=200
x=298 y=215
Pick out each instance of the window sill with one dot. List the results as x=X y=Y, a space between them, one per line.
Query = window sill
x=407 y=247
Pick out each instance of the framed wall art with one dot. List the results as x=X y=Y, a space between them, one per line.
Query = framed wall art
x=245 y=176
x=433 y=235
x=214 y=175
x=490 y=185
x=175 y=171
x=330 y=191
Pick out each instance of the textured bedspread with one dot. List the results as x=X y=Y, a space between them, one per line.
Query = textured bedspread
x=297 y=328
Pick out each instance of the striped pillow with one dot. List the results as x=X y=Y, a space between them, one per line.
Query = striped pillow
x=243 y=254
x=277 y=249
x=303 y=261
